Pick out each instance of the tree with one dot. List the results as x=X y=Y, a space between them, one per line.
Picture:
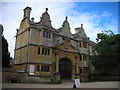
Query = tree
x=106 y=62
x=5 y=53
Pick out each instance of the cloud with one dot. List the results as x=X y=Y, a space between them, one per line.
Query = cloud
x=13 y=14
x=90 y=23
x=106 y=14
x=93 y=23
x=112 y=25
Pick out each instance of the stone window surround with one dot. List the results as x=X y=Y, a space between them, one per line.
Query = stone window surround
x=83 y=44
x=38 y=68
x=84 y=57
x=83 y=69
x=46 y=34
x=38 y=50
x=45 y=68
x=45 y=51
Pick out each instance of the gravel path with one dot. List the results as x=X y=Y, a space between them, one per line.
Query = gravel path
x=112 y=84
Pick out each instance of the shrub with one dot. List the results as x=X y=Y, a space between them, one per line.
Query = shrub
x=54 y=81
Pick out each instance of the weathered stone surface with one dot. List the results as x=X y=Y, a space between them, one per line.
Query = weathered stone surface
x=60 y=42
x=22 y=77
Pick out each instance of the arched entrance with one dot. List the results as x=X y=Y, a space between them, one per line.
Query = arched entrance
x=65 y=69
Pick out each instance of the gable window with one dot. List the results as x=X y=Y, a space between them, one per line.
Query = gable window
x=46 y=34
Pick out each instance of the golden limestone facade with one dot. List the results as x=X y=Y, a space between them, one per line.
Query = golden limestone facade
x=44 y=51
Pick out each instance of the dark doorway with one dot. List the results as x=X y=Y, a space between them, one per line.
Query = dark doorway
x=65 y=69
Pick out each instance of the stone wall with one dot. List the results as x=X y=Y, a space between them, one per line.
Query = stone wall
x=105 y=78
x=22 y=77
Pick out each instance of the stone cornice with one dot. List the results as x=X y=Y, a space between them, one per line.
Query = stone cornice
x=45 y=46
x=31 y=45
x=27 y=30
x=33 y=63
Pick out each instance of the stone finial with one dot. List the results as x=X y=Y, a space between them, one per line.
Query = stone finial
x=45 y=19
x=32 y=19
x=66 y=18
x=66 y=23
x=17 y=30
x=81 y=25
x=46 y=9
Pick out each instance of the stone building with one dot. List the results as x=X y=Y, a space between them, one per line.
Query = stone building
x=44 y=51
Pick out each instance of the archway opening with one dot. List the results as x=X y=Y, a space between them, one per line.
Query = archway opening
x=65 y=69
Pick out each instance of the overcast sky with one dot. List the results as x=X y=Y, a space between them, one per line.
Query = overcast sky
x=95 y=16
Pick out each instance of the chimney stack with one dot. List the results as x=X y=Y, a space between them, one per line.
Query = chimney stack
x=27 y=11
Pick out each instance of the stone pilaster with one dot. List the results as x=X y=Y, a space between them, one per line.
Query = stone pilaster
x=56 y=61
x=76 y=74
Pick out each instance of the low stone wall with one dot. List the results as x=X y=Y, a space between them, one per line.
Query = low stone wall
x=84 y=79
x=22 y=77
x=105 y=78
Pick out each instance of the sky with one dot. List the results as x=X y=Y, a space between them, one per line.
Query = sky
x=95 y=17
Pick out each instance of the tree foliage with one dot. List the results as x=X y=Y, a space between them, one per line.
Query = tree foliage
x=5 y=53
x=107 y=59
